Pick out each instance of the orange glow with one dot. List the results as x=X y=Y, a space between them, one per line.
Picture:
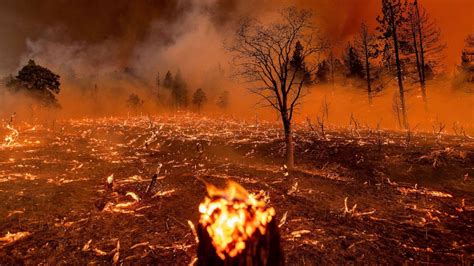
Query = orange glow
x=12 y=137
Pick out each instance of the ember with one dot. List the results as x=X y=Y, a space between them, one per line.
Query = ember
x=11 y=138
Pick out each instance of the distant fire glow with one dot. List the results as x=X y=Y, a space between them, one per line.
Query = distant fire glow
x=232 y=216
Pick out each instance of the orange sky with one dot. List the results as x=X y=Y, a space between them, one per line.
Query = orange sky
x=454 y=17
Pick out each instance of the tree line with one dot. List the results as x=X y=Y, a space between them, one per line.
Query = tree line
x=405 y=48
x=282 y=57
x=173 y=91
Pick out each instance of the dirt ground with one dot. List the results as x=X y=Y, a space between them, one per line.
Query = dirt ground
x=409 y=199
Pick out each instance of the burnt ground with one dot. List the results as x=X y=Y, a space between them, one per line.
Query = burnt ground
x=409 y=194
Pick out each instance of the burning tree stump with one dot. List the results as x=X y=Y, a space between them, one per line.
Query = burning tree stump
x=259 y=249
x=237 y=229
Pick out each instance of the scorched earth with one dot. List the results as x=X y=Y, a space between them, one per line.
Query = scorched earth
x=79 y=191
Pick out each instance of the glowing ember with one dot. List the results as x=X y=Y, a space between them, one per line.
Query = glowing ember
x=11 y=138
x=231 y=216
x=110 y=179
x=9 y=237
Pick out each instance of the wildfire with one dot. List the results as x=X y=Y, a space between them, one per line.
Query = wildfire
x=231 y=216
x=11 y=138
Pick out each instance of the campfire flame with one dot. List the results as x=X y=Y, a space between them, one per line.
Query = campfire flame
x=231 y=216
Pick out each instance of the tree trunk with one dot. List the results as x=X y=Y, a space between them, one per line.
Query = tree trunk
x=367 y=69
x=290 y=147
x=261 y=250
x=422 y=56
x=399 y=72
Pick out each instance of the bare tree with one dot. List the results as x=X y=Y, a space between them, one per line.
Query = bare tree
x=390 y=24
x=265 y=54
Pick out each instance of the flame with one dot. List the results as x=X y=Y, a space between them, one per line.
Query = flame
x=110 y=179
x=133 y=195
x=231 y=216
x=11 y=138
x=9 y=237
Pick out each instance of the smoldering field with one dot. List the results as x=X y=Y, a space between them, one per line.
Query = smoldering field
x=451 y=108
x=363 y=190
x=357 y=195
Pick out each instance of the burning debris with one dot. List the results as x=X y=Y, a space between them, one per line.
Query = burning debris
x=235 y=227
x=110 y=182
x=11 y=138
x=12 y=237
x=134 y=186
x=352 y=212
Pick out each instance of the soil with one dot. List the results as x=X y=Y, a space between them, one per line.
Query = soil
x=414 y=193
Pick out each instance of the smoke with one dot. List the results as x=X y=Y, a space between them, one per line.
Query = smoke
x=120 y=46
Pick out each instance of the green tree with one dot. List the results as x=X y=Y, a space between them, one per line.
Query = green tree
x=168 y=81
x=223 y=100
x=38 y=82
x=134 y=102
x=298 y=65
x=353 y=63
x=179 y=91
x=323 y=72
x=199 y=98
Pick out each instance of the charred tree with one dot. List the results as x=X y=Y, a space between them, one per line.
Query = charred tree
x=260 y=249
x=369 y=52
x=423 y=43
x=237 y=228
x=390 y=23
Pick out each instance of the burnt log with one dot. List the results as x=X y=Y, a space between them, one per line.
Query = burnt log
x=260 y=250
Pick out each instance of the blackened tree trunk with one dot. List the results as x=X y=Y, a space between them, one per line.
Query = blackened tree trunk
x=365 y=44
x=400 y=78
x=393 y=17
x=422 y=55
x=290 y=146
x=367 y=70
x=261 y=250
x=370 y=51
x=419 y=65
x=425 y=42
